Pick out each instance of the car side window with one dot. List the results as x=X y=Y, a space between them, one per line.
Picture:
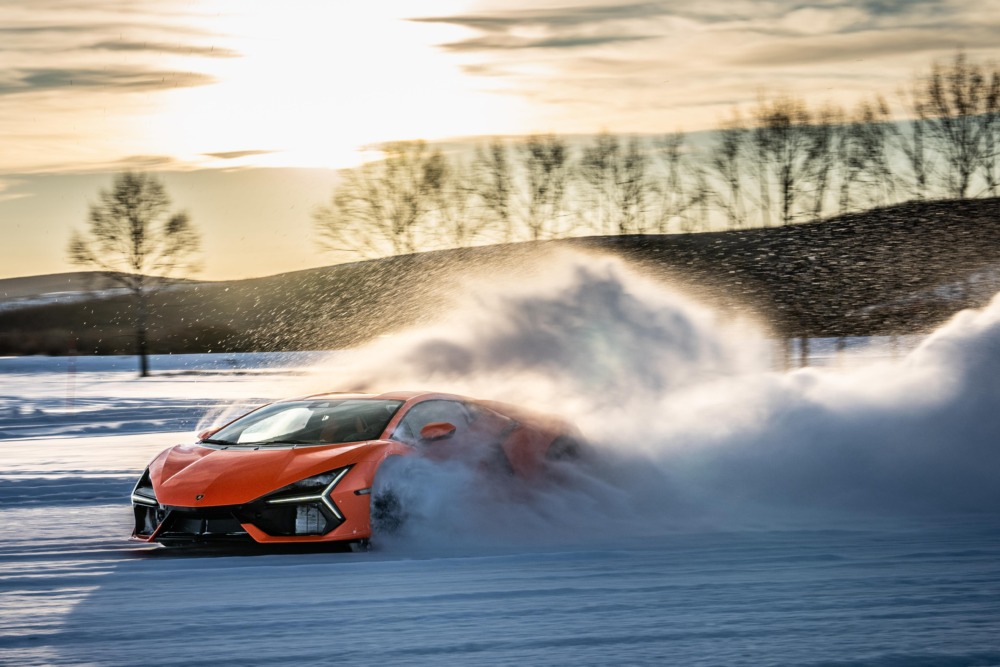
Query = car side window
x=428 y=412
x=487 y=425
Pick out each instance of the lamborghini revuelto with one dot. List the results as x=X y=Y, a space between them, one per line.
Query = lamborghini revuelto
x=303 y=470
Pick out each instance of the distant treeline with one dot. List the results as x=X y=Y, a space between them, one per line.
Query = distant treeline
x=895 y=270
x=906 y=235
x=778 y=162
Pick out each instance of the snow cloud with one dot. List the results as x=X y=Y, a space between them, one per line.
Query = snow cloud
x=689 y=422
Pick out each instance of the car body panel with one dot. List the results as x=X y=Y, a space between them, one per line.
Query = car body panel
x=204 y=476
x=205 y=491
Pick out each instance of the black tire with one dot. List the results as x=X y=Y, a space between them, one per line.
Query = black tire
x=564 y=448
x=387 y=514
x=361 y=546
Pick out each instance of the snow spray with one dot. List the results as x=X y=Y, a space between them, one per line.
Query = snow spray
x=689 y=423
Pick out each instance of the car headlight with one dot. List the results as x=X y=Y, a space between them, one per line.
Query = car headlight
x=310 y=491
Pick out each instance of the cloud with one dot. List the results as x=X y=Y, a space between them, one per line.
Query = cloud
x=232 y=155
x=864 y=45
x=645 y=65
x=560 y=28
x=9 y=184
x=816 y=15
x=145 y=162
x=166 y=47
x=100 y=28
x=25 y=185
x=587 y=25
x=131 y=79
x=64 y=28
x=496 y=43
x=552 y=18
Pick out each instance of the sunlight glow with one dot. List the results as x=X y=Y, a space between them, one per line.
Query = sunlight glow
x=312 y=86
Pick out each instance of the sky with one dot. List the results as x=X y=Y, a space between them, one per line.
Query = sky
x=248 y=107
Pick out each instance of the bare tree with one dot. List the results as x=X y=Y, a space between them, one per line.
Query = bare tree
x=456 y=218
x=783 y=142
x=991 y=154
x=135 y=241
x=494 y=186
x=545 y=165
x=867 y=178
x=910 y=140
x=382 y=207
x=681 y=189
x=596 y=170
x=826 y=146
x=727 y=170
x=958 y=105
x=616 y=183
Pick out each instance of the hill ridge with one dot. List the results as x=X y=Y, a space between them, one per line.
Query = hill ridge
x=898 y=269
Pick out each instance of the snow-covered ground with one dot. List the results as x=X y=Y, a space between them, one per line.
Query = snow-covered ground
x=733 y=515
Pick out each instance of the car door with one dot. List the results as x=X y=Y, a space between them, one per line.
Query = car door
x=478 y=434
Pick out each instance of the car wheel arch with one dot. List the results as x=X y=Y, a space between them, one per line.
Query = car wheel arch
x=387 y=513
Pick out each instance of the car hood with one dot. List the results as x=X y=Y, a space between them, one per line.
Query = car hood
x=203 y=476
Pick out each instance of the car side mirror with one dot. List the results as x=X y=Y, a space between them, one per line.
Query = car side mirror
x=437 y=431
x=209 y=432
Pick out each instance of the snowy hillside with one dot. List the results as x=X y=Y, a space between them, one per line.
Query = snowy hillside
x=894 y=271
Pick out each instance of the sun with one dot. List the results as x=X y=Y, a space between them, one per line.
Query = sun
x=317 y=80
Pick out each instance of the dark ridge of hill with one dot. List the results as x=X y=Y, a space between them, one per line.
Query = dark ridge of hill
x=30 y=287
x=34 y=286
x=901 y=269
x=894 y=270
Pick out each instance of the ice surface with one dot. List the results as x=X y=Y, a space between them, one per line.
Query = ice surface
x=732 y=515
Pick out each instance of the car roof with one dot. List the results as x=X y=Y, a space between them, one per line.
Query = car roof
x=387 y=396
x=515 y=412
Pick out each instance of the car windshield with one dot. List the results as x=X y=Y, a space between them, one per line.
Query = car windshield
x=310 y=422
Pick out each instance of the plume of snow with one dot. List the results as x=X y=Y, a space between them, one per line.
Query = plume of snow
x=688 y=421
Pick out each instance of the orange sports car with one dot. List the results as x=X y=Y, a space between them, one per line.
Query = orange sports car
x=303 y=470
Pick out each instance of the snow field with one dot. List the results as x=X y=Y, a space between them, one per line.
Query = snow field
x=732 y=514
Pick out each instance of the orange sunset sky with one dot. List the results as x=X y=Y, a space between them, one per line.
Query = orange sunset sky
x=247 y=108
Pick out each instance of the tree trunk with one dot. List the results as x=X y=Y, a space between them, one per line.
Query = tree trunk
x=841 y=346
x=786 y=352
x=141 y=343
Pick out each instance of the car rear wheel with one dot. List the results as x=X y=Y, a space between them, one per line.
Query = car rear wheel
x=387 y=513
x=360 y=546
x=564 y=448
